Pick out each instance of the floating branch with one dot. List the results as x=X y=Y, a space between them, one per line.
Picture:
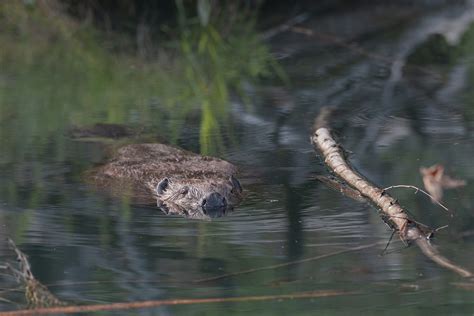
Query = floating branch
x=158 y=303
x=408 y=230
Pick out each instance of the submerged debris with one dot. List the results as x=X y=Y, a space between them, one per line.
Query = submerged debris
x=36 y=294
x=435 y=181
x=101 y=130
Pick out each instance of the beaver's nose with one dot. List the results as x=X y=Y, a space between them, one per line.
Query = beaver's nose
x=214 y=205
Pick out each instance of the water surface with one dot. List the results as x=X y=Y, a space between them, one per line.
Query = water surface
x=400 y=77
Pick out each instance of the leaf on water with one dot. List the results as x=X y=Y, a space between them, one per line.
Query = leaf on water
x=435 y=181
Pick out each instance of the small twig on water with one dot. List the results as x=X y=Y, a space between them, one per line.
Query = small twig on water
x=300 y=18
x=5 y=300
x=441 y=227
x=275 y=266
x=18 y=289
x=388 y=243
x=396 y=250
x=418 y=189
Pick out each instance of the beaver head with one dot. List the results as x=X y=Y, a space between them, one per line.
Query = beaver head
x=207 y=198
x=180 y=182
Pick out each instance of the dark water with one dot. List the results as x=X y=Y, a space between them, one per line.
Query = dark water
x=400 y=77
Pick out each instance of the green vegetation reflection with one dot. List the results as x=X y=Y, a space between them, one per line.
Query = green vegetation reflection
x=57 y=72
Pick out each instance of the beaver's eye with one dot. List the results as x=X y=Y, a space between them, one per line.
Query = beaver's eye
x=184 y=191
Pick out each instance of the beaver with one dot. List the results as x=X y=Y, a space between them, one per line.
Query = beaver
x=180 y=182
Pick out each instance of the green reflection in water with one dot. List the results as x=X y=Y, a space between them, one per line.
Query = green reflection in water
x=56 y=72
x=217 y=62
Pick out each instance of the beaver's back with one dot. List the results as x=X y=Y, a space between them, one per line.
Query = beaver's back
x=136 y=169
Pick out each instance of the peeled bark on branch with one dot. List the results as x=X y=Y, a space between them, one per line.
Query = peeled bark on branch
x=408 y=230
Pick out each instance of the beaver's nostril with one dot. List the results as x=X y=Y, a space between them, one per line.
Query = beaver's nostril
x=214 y=204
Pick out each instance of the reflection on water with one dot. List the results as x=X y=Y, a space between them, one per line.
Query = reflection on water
x=396 y=113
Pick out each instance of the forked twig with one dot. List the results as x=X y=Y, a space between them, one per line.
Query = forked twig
x=408 y=230
x=418 y=189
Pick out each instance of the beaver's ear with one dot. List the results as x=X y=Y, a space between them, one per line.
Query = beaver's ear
x=162 y=186
x=236 y=187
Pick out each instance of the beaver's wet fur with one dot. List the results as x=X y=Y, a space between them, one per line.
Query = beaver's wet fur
x=180 y=182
